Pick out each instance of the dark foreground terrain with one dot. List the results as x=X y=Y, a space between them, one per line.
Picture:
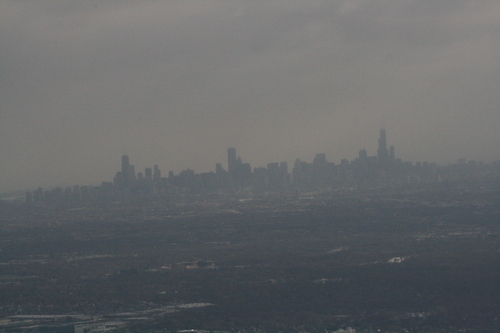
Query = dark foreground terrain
x=425 y=260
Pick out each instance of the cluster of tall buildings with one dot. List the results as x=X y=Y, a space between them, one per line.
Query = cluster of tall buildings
x=365 y=170
x=127 y=177
x=383 y=167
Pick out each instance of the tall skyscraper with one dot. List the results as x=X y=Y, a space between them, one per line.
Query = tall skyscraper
x=231 y=160
x=284 y=177
x=156 y=173
x=148 y=174
x=131 y=178
x=382 y=152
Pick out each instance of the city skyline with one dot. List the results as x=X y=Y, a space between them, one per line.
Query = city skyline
x=176 y=83
x=383 y=167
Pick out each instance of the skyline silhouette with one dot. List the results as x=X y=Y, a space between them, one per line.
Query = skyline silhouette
x=382 y=169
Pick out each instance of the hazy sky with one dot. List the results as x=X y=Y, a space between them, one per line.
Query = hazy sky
x=178 y=82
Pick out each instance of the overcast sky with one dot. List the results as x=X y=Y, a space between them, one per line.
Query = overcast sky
x=178 y=82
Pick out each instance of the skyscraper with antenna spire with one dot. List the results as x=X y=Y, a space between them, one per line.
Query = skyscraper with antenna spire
x=382 y=152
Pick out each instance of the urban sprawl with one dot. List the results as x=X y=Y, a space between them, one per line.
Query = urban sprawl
x=382 y=169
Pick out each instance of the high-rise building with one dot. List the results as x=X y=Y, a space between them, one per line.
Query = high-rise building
x=131 y=174
x=148 y=174
x=319 y=169
x=297 y=171
x=382 y=152
x=231 y=161
x=319 y=159
x=284 y=177
x=362 y=154
x=273 y=171
x=219 y=170
x=156 y=173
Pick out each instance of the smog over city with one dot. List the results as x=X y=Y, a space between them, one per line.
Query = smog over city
x=257 y=166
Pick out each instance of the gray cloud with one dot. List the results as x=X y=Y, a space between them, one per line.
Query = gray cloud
x=176 y=83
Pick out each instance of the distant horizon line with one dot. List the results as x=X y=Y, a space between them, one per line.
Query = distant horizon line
x=17 y=193
x=382 y=145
